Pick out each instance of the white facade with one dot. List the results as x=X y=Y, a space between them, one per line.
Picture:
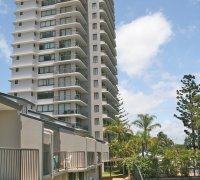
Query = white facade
x=64 y=60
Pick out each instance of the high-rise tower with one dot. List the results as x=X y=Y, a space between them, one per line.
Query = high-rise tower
x=64 y=60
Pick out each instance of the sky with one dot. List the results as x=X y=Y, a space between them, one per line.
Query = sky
x=157 y=43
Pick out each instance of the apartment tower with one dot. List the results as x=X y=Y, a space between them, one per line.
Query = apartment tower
x=64 y=60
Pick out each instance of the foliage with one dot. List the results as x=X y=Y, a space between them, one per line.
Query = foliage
x=188 y=107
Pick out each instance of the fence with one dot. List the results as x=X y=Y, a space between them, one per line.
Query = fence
x=19 y=164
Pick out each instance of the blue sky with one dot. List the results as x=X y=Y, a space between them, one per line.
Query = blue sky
x=158 y=42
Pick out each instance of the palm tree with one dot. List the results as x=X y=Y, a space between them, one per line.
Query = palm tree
x=144 y=122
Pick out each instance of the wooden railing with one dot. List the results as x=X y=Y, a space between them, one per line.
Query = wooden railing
x=19 y=164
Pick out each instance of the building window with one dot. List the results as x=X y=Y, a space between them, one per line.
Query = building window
x=94 y=25
x=16 y=82
x=19 y=35
x=18 y=46
x=48 y=23
x=66 y=9
x=45 y=108
x=97 y=134
x=65 y=20
x=31 y=93
x=96 y=121
x=50 y=45
x=95 y=71
x=96 y=108
x=66 y=32
x=45 y=82
x=17 y=58
x=44 y=70
x=94 y=36
x=48 y=2
x=20 y=23
x=96 y=83
x=46 y=57
x=21 y=13
x=48 y=12
x=21 y=3
x=95 y=59
x=33 y=56
x=45 y=95
x=94 y=15
x=47 y=34
x=33 y=69
x=17 y=70
x=96 y=95
x=15 y=94
x=95 y=48
x=94 y=5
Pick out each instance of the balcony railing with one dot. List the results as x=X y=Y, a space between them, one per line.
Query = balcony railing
x=70 y=112
x=19 y=164
x=70 y=70
x=70 y=83
x=68 y=160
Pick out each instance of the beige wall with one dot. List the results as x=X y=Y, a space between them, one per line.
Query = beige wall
x=10 y=126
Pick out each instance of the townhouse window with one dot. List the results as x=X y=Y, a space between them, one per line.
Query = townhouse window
x=96 y=108
x=18 y=46
x=96 y=83
x=48 y=23
x=49 y=45
x=48 y=12
x=16 y=81
x=45 y=108
x=44 y=70
x=45 y=82
x=96 y=121
x=22 y=3
x=47 y=34
x=17 y=70
x=32 y=81
x=19 y=34
x=95 y=48
x=33 y=69
x=97 y=134
x=65 y=56
x=66 y=9
x=95 y=59
x=35 y=33
x=21 y=13
x=94 y=15
x=94 y=36
x=94 y=25
x=46 y=57
x=33 y=56
x=31 y=93
x=65 y=43
x=96 y=95
x=94 y=5
x=20 y=23
x=95 y=71
x=45 y=95
x=15 y=94
x=17 y=58
x=36 y=11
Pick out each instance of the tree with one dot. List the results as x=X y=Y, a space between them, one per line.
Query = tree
x=144 y=122
x=188 y=106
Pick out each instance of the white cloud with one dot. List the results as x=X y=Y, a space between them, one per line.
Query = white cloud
x=3 y=7
x=138 y=102
x=174 y=130
x=139 y=42
x=5 y=50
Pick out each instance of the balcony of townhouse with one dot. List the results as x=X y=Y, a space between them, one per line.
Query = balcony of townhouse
x=20 y=164
x=107 y=61
x=70 y=46
x=110 y=105
x=64 y=162
x=77 y=98
x=106 y=53
x=108 y=83
x=65 y=58
x=106 y=37
x=107 y=72
x=76 y=85
x=78 y=113
x=73 y=71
